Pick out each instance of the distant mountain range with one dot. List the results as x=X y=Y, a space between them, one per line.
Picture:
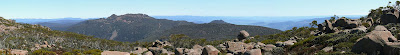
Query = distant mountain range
x=278 y=22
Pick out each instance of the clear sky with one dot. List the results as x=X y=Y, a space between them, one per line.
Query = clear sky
x=104 y=8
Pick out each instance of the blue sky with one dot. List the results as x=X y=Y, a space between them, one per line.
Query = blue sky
x=104 y=8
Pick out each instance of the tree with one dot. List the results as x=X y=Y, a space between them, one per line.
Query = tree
x=314 y=23
x=389 y=3
x=333 y=18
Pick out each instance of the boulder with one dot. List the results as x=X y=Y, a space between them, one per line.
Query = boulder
x=259 y=45
x=196 y=50
x=361 y=29
x=347 y=23
x=210 y=50
x=19 y=52
x=148 y=53
x=327 y=49
x=253 y=52
x=180 y=51
x=389 y=16
x=139 y=50
x=159 y=51
x=268 y=47
x=161 y=44
x=326 y=27
x=243 y=35
x=237 y=47
x=379 y=41
x=290 y=42
x=114 y=53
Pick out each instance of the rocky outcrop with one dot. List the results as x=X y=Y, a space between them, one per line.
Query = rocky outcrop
x=344 y=25
x=161 y=44
x=326 y=27
x=196 y=50
x=114 y=53
x=159 y=51
x=210 y=50
x=347 y=23
x=389 y=16
x=379 y=41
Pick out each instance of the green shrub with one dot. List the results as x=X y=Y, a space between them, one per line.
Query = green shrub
x=93 y=52
x=43 y=52
x=365 y=24
x=269 y=41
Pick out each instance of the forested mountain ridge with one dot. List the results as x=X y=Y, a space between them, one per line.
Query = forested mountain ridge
x=133 y=27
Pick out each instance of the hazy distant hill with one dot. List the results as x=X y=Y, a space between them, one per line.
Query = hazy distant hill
x=55 y=24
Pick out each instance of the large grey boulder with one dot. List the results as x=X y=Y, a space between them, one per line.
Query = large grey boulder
x=243 y=35
x=210 y=50
x=253 y=52
x=379 y=41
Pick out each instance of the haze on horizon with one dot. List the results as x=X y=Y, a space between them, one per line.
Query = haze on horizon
x=103 y=8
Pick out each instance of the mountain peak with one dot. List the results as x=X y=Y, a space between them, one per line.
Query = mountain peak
x=138 y=15
x=219 y=22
